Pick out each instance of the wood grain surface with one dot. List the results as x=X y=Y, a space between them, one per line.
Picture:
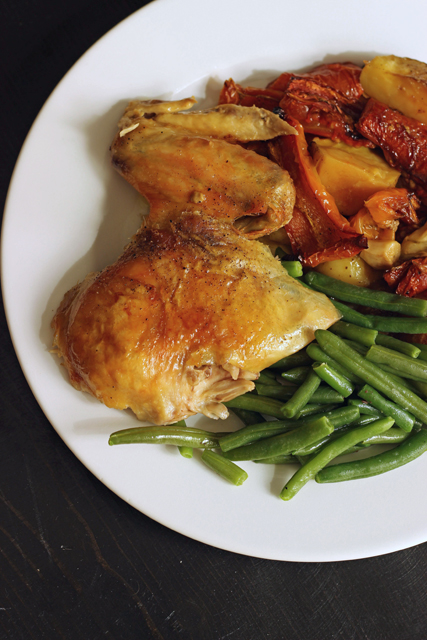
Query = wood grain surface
x=76 y=562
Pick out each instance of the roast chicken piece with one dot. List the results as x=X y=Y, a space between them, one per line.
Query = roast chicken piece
x=191 y=162
x=184 y=321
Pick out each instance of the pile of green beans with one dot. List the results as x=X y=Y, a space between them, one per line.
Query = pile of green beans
x=353 y=388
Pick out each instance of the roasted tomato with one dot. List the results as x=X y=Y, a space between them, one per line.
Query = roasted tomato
x=326 y=100
x=409 y=278
x=403 y=141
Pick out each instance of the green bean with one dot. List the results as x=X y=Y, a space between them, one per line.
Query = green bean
x=371 y=374
x=297 y=375
x=355 y=449
x=333 y=379
x=279 y=392
x=179 y=436
x=398 y=361
x=398 y=345
x=423 y=350
x=248 y=417
x=318 y=355
x=283 y=444
x=402 y=418
x=331 y=451
x=186 y=452
x=398 y=325
x=323 y=395
x=255 y=432
x=360 y=348
x=381 y=323
x=342 y=416
x=364 y=407
x=298 y=359
x=267 y=406
x=366 y=297
x=421 y=387
x=269 y=374
x=339 y=418
x=313 y=409
x=302 y=396
x=361 y=335
x=293 y=267
x=350 y=315
x=414 y=446
x=395 y=435
x=365 y=419
x=315 y=447
x=398 y=378
x=286 y=459
x=225 y=468
x=266 y=379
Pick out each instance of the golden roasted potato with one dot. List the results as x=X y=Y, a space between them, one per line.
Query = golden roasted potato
x=351 y=175
x=351 y=270
x=400 y=83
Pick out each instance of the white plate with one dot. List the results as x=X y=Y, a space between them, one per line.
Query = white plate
x=69 y=213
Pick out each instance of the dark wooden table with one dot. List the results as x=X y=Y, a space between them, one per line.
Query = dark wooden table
x=77 y=562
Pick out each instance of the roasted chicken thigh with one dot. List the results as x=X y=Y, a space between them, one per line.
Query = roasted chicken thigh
x=184 y=321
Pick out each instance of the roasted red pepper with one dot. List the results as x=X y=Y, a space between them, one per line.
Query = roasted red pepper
x=317 y=232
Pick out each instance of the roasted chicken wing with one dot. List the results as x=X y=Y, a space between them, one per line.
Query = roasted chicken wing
x=191 y=161
x=184 y=320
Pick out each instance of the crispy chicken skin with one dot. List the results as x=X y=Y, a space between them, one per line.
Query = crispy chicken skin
x=184 y=320
x=190 y=162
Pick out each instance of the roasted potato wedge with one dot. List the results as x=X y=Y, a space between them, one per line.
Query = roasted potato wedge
x=351 y=175
x=400 y=83
x=351 y=270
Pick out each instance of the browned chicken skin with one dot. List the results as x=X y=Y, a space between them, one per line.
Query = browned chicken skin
x=189 y=161
x=184 y=320
x=193 y=309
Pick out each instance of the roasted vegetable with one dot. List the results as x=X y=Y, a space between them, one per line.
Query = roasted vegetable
x=414 y=245
x=381 y=254
x=342 y=77
x=400 y=83
x=350 y=174
x=326 y=101
x=352 y=270
x=409 y=278
x=317 y=230
x=403 y=141
x=380 y=217
x=233 y=93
